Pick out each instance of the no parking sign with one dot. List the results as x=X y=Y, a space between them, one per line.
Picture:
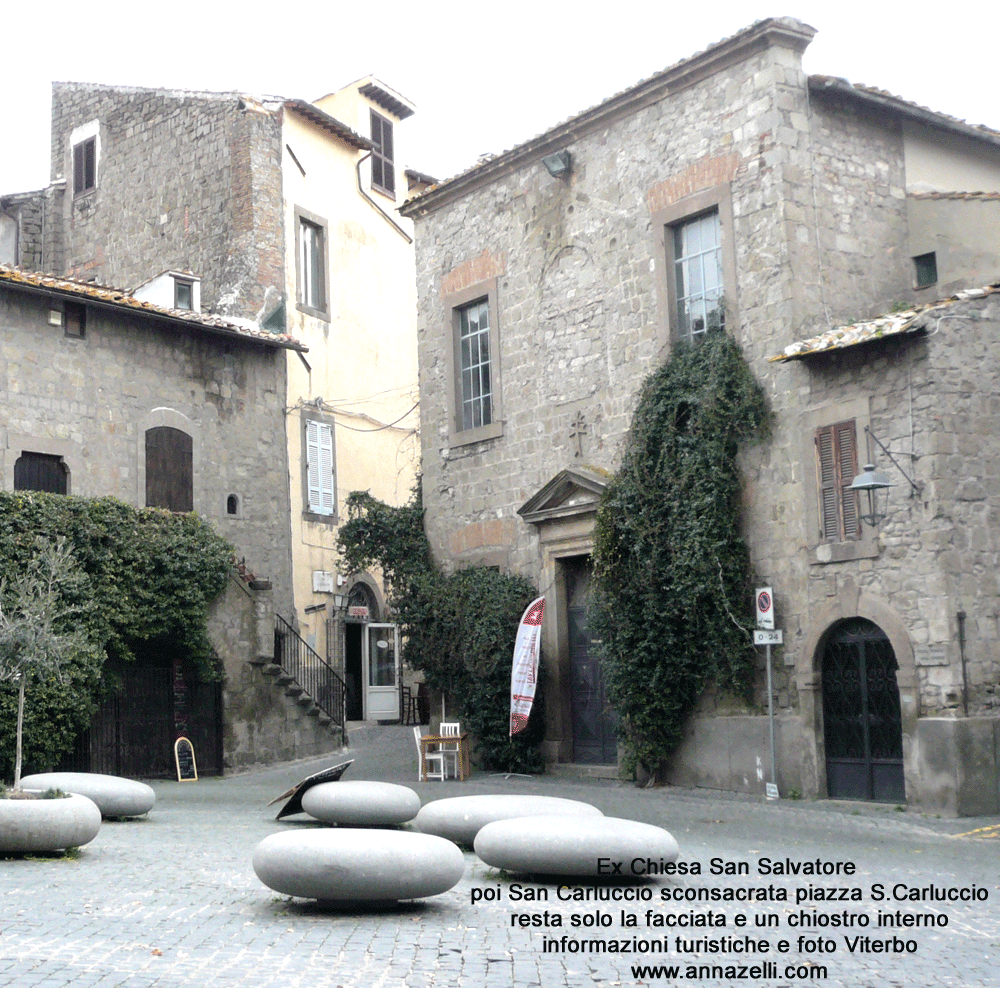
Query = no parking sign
x=765 y=607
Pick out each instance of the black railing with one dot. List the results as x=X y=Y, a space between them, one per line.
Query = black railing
x=318 y=679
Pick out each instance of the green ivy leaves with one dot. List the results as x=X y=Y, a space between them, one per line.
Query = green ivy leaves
x=672 y=577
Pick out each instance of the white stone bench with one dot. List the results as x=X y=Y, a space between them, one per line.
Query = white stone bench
x=460 y=818
x=588 y=847
x=361 y=804
x=358 y=865
x=115 y=797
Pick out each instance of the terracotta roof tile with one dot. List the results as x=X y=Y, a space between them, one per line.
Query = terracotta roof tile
x=121 y=299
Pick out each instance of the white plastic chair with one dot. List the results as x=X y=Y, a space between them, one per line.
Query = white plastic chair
x=452 y=751
x=426 y=759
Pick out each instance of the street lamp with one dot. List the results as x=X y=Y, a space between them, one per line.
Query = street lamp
x=873 y=484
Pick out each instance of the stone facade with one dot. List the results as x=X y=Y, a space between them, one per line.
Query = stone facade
x=88 y=401
x=811 y=182
x=221 y=187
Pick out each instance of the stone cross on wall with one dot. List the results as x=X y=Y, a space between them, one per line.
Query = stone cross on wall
x=577 y=430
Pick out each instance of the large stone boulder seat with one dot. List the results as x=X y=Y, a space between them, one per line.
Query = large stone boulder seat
x=361 y=804
x=546 y=845
x=347 y=865
x=114 y=796
x=460 y=818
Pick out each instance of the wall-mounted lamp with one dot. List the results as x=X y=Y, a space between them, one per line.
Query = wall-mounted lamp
x=340 y=601
x=873 y=484
x=558 y=164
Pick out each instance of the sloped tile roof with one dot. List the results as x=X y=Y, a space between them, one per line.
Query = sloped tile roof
x=117 y=298
x=894 y=324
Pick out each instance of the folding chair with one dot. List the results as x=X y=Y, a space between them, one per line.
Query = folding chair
x=425 y=759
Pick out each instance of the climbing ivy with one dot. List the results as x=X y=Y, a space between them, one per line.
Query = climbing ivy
x=458 y=628
x=672 y=577
x=150 y=577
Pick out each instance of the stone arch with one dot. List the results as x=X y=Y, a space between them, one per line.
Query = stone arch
x=854 y=602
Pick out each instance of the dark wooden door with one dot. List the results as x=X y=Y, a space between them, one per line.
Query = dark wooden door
x=862 y=724
x=594 y=737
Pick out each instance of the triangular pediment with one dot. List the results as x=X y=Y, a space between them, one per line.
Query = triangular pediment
x=569 y=492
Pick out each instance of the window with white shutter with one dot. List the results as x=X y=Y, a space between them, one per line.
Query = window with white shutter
x=321 y=488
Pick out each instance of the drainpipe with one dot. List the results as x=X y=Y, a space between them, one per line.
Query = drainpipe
x=961 y=652
x=361 y=189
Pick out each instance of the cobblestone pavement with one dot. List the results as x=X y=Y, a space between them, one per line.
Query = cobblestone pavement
x=172 y=900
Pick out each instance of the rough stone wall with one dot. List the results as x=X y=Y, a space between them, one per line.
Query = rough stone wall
x=90 y=400
x=934 y=396
x=260 y=724
x=185 y=181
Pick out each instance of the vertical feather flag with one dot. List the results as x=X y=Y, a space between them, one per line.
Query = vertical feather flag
x=524 y=672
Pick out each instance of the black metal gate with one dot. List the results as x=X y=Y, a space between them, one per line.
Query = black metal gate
x=133 y=731
x=862 y=725
x=594 y=737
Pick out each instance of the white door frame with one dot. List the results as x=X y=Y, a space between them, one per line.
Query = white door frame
x=381 y=697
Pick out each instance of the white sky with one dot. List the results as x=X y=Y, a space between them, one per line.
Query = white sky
x=484 y=77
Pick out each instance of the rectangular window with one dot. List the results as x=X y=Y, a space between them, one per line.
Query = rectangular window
x=474 y=346
x=925 y=270
x=75 y=320
x=836 y=468
x=698 y=276
x=321 y=488
x=183 y=294
x=85 y=166
x=311 y=263
x=383 y=166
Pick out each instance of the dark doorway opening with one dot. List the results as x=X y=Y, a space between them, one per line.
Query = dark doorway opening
x=353 y=671
x=862 y=723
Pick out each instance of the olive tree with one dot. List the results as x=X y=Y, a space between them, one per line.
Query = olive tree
x=36 y=610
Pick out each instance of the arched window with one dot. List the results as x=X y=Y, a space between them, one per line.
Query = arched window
x=41 y=472
x=169 y=469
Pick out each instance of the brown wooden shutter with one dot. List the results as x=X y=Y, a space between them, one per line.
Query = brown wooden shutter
x=169 y=469
x=40 y=472
x=836 y=468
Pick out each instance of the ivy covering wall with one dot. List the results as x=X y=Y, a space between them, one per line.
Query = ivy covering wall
x=150 y=577
x=458 y=629
x=672 y=581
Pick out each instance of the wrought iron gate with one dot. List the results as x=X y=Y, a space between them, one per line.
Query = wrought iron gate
x=862 y=725
x=594 y=737
x=133 y=731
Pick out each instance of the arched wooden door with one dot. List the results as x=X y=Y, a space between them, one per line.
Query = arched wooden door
x=862 y=725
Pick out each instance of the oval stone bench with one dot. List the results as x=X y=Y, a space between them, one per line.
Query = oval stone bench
x=358 y=865
x=113 y=795
x=28 y=826
x=361 y=804
x=547 y=846
x=460 y=818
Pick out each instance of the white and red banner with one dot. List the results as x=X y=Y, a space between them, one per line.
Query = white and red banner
x=524 y=673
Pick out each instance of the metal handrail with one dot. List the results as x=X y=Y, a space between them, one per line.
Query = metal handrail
x=311 y=672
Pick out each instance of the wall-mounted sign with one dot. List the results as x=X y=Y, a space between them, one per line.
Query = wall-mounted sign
x=358 y=612
x=322 y=581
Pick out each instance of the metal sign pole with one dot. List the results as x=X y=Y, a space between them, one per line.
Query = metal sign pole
x=770 y=714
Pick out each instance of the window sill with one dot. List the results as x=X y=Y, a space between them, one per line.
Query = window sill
x=469 y=436
x=323 y=314
x=318 y=519
x=391 y=196
x=842 y=552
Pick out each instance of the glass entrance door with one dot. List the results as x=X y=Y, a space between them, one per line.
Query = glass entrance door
x=381 y=650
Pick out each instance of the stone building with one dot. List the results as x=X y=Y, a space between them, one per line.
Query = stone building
x=732 y=190
x=105 y=395
x=281 y=214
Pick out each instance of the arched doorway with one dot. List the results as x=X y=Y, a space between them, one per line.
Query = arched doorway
x=862 y=722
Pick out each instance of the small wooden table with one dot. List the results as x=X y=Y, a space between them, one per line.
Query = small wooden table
x=428 y=741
